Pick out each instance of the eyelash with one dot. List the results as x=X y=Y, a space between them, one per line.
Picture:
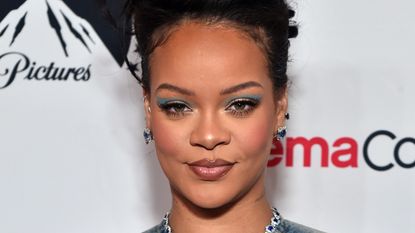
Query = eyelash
x=248 y=106
x=176 y=109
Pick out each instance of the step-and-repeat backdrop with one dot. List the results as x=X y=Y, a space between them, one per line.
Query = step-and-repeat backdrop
x=72 y=158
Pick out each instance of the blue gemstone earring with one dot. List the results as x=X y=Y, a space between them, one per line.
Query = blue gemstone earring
x=281 y=132
x=148 y=136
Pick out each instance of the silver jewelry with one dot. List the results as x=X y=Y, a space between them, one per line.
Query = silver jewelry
x=148 y=136
x=281 y=132
x=270 y=228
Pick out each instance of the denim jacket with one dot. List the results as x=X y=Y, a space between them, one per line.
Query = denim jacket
x=285 y=226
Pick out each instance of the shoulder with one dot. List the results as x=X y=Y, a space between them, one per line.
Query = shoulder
x=156 y=229
x=288 y=226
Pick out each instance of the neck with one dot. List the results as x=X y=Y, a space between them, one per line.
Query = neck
x=250 y=213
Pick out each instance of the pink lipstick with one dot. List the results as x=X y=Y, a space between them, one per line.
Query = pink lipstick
x=211 y=170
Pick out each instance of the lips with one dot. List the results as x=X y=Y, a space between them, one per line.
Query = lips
x=211 y=170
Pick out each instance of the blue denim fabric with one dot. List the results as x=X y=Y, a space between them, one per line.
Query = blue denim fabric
x=285 y=226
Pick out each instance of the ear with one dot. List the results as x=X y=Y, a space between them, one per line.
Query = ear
x=281 y=108
x=147 y=108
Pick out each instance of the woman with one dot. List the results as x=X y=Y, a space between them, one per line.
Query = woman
x=215 y=96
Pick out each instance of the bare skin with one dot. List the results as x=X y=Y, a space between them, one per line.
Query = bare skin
x=211 y=98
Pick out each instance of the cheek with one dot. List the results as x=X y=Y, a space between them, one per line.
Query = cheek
x=255 y=137
x=169 y=137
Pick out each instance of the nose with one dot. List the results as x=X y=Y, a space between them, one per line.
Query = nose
x=209 y=133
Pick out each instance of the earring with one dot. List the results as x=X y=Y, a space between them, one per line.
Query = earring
x=281 y=132
x=148 y=136
x=287 y=116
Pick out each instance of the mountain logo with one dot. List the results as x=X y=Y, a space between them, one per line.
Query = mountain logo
x=45 y=40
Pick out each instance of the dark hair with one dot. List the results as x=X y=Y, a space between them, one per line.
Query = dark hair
x=266 y=21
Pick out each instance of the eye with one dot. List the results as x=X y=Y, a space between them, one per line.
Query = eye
x=242 y=107
x=174 y=108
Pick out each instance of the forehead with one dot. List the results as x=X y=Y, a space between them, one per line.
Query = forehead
x=198 y=55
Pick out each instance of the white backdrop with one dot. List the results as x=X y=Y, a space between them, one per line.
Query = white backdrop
x=72 y=158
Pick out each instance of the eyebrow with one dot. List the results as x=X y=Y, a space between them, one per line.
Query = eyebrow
x=173 y=88
x=240 y=87
x=229 y=90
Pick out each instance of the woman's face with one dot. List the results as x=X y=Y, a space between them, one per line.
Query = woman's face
x=212 y=112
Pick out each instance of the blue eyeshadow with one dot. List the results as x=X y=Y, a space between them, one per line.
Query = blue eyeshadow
x=163 y=101
x=252 y=97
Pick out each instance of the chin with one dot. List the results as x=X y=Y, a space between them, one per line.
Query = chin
x=211 y=197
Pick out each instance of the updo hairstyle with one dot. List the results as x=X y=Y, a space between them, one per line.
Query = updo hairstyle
x=267 y=22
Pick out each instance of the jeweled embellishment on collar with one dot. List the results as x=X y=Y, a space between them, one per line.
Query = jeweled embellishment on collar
x=275 y=221
x=271 y=228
